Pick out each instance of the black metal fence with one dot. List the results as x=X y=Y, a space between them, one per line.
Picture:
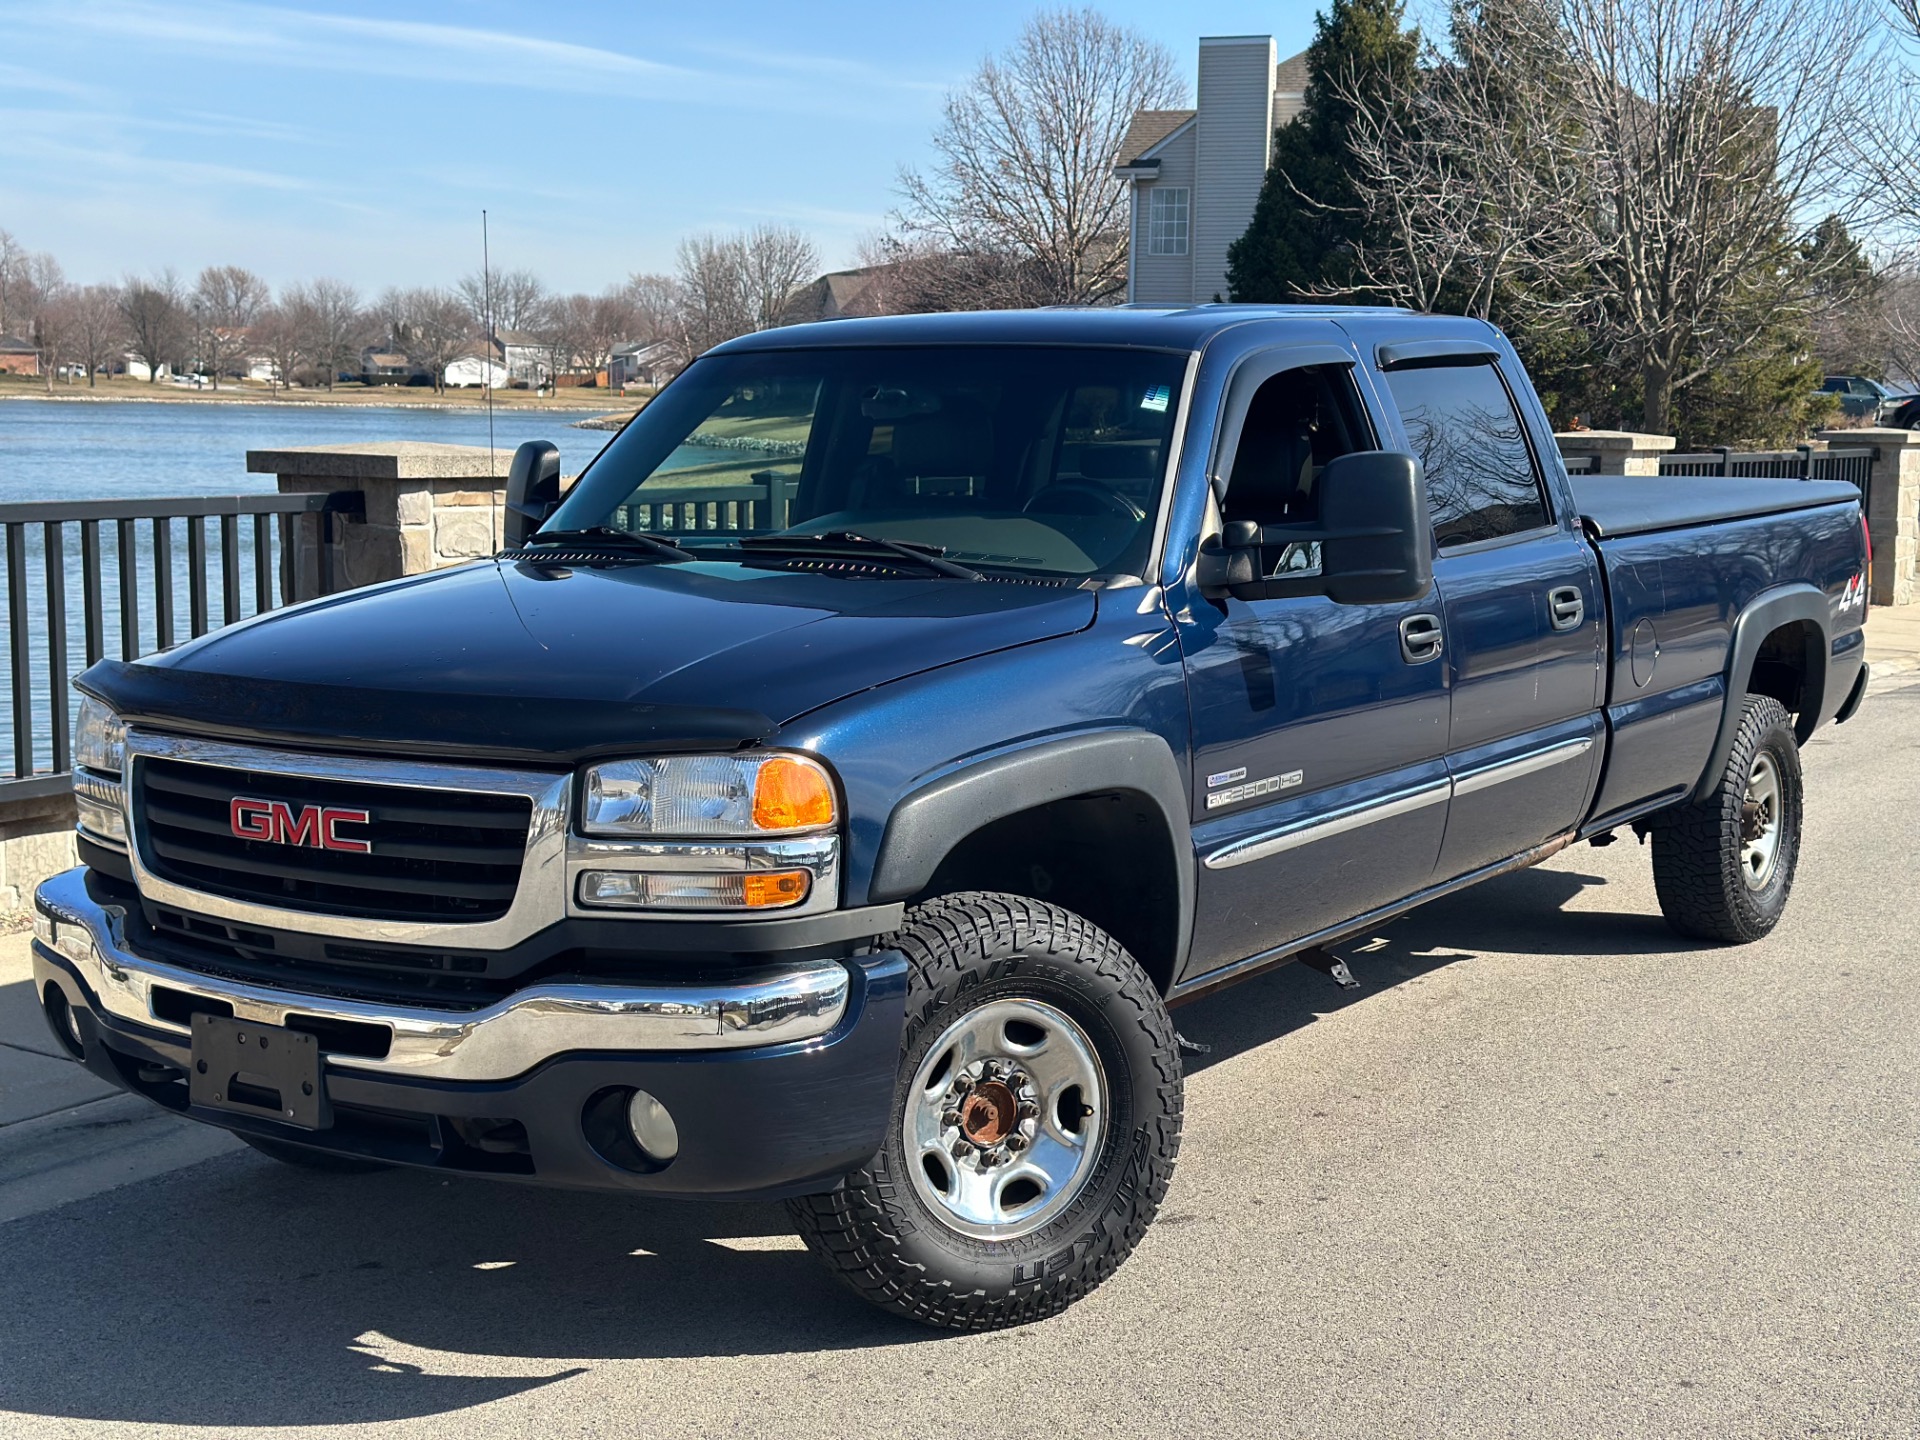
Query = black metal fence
x=112 y=575
x=733 y=509
x=1801 y=463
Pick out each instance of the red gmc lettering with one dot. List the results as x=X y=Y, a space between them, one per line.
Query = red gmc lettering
x=279 y=823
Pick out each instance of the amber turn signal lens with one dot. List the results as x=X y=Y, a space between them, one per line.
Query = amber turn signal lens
x=791 y=794
x=783 y=887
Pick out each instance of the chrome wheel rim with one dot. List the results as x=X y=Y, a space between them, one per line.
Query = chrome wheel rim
x=1004 y=1119
x=1760 y=823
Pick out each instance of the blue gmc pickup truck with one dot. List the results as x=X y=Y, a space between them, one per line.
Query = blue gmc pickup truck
x=827 y=796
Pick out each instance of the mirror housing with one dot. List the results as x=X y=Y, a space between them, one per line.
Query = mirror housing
x=1376 y=542
x=533 y=490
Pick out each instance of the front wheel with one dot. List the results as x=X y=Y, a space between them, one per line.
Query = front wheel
x=1035 y=1122
x=1723 y=866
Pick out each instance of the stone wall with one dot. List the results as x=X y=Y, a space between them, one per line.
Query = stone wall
x=427 y=506
x=36 y=840
x=1893 y=510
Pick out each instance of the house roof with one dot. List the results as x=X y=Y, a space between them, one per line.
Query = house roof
x=1148 y=129
x=518 y=337
x=386 y=359
x=14 y=345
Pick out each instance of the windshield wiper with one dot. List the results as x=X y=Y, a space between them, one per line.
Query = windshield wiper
x=931 y=556
x=610 y=538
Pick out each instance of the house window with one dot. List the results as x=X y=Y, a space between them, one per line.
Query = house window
x=1167 y=220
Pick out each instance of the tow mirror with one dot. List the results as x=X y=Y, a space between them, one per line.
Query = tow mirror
x=533 y=490
x=1375 y=540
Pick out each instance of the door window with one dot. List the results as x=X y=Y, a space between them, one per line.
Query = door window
x=1296 y=422
x=1481 y=481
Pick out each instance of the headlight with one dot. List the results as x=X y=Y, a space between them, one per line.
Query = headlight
x=99 y=756
x=99 y=738
x=704 y=795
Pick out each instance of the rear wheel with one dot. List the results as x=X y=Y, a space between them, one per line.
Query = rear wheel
x=1035 y=1123
x=1724 y=866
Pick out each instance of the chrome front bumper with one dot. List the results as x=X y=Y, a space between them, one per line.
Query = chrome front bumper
x=799 y=1001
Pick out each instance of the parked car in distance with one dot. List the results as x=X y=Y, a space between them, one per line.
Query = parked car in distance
x=1864 y=399
x=828 y=797
x=1907 y=415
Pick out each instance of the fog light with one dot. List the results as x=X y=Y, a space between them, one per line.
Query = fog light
x=653 y=1127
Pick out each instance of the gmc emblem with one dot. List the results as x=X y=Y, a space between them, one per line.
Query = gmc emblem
x=279 y=823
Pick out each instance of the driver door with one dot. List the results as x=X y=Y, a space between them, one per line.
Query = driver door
x=1320 y=730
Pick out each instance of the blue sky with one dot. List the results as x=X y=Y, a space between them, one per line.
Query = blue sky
x=361 y=140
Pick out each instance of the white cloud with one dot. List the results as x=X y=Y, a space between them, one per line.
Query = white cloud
x=405 y=48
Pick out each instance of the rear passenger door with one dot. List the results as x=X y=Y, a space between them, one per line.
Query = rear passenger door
x=1524 y=614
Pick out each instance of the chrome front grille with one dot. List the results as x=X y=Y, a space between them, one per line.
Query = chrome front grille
x=455 y=856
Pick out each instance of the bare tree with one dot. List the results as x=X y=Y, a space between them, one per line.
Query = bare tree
x=715 y=304
x=1900 y=299
x=158 y=327
x=227 y=300
x=1645 y=166
x=53 y=332
x=432 y=327
x=96 y=331
x=1024 y=168
x=656 y=302
x=29 y=279
x=515 y=299
x=590 y=326
x=281 y=332
x=335 y=326
x=778 y=260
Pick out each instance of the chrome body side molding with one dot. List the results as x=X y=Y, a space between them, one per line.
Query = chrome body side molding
x=1353 y=817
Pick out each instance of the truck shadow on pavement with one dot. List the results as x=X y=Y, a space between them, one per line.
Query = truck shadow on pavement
x=1522 y=914
x=239 y=1292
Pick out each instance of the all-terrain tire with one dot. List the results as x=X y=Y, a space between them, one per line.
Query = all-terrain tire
x=886 y=1241
x=1698 y=870
x=300 y=1157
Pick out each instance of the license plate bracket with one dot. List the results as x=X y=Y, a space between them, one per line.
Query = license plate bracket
x=265 y=1071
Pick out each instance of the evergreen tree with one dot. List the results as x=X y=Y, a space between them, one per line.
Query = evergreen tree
x=1300 y=242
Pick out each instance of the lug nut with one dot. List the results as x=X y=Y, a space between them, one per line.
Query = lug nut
x=1016 y=1142
x=950 y=1117
x=1028 y=1110
x=960 y=1149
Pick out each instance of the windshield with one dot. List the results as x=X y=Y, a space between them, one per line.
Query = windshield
x=1048 y=459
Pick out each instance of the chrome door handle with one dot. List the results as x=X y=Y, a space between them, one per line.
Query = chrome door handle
x=1567 y=606
x=1420 y=639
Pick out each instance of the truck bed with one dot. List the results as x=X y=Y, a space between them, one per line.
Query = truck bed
x=1615 y=505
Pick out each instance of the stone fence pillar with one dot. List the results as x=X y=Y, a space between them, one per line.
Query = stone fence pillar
x=428 y=506
x=1616 y=452
x=1893 y=509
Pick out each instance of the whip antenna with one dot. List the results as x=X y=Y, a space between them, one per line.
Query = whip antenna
x=486 y=292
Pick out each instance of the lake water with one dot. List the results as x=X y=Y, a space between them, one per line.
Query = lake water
x=64 y=450
x=68 y=450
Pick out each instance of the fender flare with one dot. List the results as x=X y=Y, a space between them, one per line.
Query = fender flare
x=1766 y=613
x=928 y=823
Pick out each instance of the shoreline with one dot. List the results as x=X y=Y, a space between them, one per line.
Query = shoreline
x=205 y=397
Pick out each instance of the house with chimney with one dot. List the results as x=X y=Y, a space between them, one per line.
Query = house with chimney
x=1194 y=175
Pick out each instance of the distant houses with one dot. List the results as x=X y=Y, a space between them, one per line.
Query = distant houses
x=473 y=370
x=18 y=357
x=379 y=366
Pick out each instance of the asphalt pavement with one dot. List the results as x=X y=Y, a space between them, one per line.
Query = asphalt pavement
x=1548 y=1172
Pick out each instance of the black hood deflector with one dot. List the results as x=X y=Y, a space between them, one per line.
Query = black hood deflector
x=529 y=729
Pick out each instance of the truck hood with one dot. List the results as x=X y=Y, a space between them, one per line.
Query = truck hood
x=559 y=663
